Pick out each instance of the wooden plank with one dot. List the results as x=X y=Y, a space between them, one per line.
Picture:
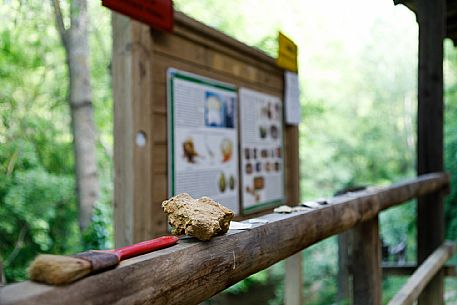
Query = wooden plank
x=160 y=159
x=160 y=188
x=226 y=44
x=366 y=269
x=293 y=281
x=409 y=293
x=391 y=269
x=344 y=292
x=159 y=127
x=430 y=218
x=132 y=93
x=164 y=61
x=123 y=131
x=142 y=92
x=244 y=70
x=160 y=99
x=181 y=48
x=206 y=58
x=291 y=165
x=192 y=271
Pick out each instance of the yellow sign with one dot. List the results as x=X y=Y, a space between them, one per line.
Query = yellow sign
x=287 y=54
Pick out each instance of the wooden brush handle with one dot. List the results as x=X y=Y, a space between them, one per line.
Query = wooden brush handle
x=145 y=247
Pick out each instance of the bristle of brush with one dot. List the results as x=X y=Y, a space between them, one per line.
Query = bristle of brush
x=58 y=269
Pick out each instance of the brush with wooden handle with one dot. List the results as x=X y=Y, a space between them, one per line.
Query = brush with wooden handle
x=60 y=270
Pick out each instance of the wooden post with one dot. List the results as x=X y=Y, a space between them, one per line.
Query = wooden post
x=293 y=288
x=344 y=261
x=132 y=90
x=430 y=216
x=367 y=270
x=293 y=281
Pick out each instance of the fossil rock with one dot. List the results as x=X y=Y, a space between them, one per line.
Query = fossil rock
x=202 y=218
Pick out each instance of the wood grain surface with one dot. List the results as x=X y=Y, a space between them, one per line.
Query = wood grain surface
x=431 y=17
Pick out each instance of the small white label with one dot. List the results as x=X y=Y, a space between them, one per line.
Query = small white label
x=292 y=98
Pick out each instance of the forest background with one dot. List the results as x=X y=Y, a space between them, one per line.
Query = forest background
x=358 y=76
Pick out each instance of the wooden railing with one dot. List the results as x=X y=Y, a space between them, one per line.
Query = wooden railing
x=193 y=271
x=422 y=276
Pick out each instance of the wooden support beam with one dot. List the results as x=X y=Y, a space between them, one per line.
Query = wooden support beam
x=344 y=292
x=431 y=16
x=408 y=269
x=133 y=133
x=192 y=271
x=293 y=286
x=422 y=276
x=366 y=267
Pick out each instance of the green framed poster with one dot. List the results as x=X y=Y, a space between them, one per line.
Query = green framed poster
x=203 y=138
x=262 y=150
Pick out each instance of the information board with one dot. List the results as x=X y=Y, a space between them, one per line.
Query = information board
x=140 y=89
x=203 y=138
x=262 y=151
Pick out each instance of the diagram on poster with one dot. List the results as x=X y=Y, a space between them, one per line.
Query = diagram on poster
x=261 y=142
x=203 y=138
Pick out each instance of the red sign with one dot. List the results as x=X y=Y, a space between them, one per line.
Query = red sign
x=156 y=13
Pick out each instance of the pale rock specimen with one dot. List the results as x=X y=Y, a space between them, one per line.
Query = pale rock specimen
x=283 y=209
x=201 y=218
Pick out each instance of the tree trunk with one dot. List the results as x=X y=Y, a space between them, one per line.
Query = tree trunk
x=2 y=274
x=76 y=43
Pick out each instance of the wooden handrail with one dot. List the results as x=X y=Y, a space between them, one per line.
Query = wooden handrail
x=422 y=276
x=393 y=269
x=192 y=271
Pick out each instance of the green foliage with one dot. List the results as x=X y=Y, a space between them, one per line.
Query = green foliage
x=450 y=138
x=37 y=208
x=320 y=265
x=391 y=285
x=38 y=211
x=37 y=205
x=243 y=286
x=99 y=234
x=398 y=225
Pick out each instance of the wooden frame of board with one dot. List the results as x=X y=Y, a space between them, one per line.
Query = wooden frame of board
x=141 y=57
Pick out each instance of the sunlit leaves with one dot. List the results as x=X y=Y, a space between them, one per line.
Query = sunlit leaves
x=37 y=192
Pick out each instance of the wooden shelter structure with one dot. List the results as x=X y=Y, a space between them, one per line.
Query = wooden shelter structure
x=436 y=20
x=192 y=271
x=450 y=15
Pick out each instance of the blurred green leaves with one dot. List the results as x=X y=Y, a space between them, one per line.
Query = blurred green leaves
x=38 y=211
x=450 y=137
